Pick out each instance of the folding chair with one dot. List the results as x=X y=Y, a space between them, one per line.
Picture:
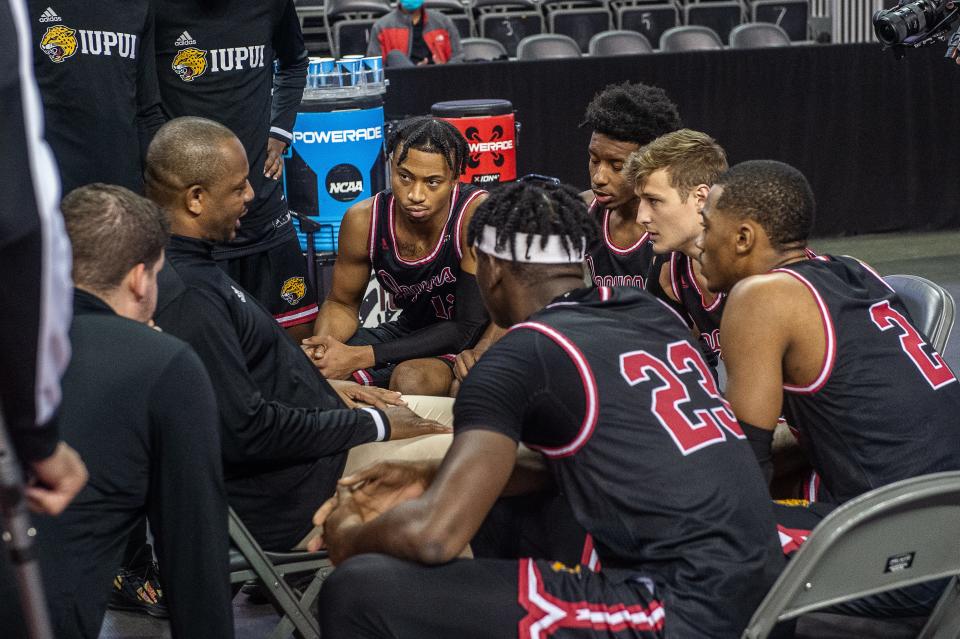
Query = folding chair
x=249 y=561
x=931 y=307
x=482 y=49
x=689 y=38
x=895 y=536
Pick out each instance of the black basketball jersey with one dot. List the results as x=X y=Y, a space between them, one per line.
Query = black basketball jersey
x=423 y=289
x=611 y=265
x=639 y=440
x=885 y=406
x=692 y=301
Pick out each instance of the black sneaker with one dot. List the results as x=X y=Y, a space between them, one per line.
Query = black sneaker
x=139 y=591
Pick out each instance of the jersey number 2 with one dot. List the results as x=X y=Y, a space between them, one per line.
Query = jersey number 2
x=690 y=432
x=932 y=367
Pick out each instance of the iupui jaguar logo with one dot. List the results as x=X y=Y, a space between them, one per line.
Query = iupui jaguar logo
x=59 y=43
x=293 y=290
x=190 y=63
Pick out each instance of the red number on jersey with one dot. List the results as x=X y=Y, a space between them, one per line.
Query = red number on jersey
x=444 y=312
x=932 y=367
x=671 y=394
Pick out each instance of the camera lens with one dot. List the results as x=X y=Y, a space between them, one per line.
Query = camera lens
x=888 y=31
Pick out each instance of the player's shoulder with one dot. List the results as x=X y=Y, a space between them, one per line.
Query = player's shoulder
x=356 y=221
x=766 y=296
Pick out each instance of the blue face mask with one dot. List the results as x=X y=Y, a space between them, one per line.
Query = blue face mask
x=411 y=5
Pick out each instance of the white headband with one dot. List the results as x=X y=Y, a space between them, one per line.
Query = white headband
x=554 y=252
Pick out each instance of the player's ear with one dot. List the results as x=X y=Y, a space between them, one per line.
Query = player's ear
x=193 y=199
x=137 y=281
x=701 y=194
x=746 y=237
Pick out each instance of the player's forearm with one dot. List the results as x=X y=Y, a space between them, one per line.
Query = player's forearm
x=337 y=320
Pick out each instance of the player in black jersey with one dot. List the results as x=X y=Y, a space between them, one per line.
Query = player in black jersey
x=671 y=177
x=828 y=342
x=592 y=379
x=413 y=238
x=623 y=117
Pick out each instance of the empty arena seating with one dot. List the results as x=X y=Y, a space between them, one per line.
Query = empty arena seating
x=619 y=43
x=339 y=27
x=547 y=45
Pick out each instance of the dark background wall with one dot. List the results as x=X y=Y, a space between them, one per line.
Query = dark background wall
x=877 y=137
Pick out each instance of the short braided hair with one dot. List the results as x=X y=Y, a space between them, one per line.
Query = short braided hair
x=776 y=195
x=535 y=208
x=431 y=135
x=632 y=112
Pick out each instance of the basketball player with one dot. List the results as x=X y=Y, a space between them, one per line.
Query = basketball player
x=623 y=117
x=672 y=176
x=826 y=341
x=583 y=376
x=413 y=237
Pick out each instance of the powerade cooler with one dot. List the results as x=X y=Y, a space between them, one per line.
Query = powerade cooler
x=491 y=132
x=336 y=158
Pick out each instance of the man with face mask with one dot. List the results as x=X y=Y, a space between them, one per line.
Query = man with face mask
x=413 y=35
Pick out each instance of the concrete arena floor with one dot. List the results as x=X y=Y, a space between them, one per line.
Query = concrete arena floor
x=935 y=256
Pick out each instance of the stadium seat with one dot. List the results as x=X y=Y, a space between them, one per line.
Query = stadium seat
x=348 y=24
x=722 y=17
x=580 y=23
x=652 y=20
x=547 y=45
x=755 y=35
x=793 y=16
x=690 y=39
x=931 y=307
x=482 y=49
x=457 y=11
x=249 y=561
x=902 y=534
x=619 y=43
x=508 y=21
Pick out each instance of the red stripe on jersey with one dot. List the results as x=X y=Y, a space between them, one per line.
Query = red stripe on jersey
x=830 y=352
x=791 y=538
x=372 y=237
x=674 y=283
x=458 y=228
x=391 y=224
x=591 y=395
x=608 y=240
x=589 y=556
x=547 y=614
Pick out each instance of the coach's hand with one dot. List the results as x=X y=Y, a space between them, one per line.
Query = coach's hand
x=354 y=394
x=273 y=167
x=56 y=481
x=336 y=360
x=404 y=423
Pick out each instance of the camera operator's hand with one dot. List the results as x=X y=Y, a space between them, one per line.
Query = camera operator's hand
x=57 y=480
x=404 y=424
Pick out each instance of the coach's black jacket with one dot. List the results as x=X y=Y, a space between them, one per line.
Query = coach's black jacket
x=139 y=408
x=285 y=431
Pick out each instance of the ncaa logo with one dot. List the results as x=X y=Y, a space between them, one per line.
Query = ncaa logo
x=344 y=182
